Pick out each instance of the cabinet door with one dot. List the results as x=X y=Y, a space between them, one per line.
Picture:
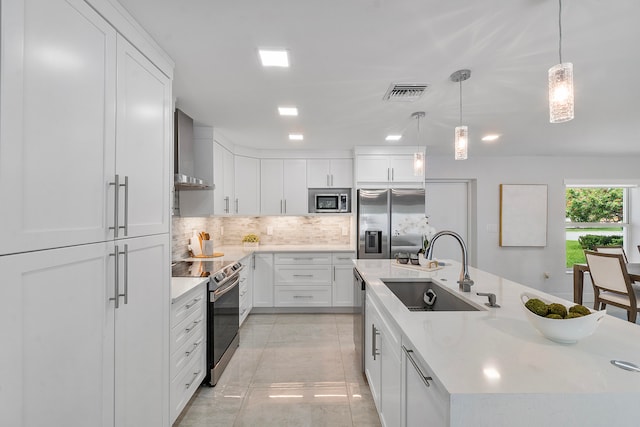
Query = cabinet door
x=372 y=168
x=56 y=139
x=295 y=192
x=402 y=169
x=142 y=333
x=271 y=181
x=247 y=186
x=143 y=152
x=342 y=173
x=343 y=286
x=219 y=203
x=263 y=280
x=390 y=378
x=372 y=351
x=228 y=179
x=318 y=173
x=420 y=403
x=57 y=329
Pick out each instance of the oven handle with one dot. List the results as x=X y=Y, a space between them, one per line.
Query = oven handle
x=217 y=294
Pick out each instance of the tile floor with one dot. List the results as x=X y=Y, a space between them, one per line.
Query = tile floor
x=290 y=370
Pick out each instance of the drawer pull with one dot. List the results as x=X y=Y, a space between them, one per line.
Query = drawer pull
x=195 y=345
x=424 y=378
x=195 y=375
x=303 y=275
x=303 y=296
x=194 y=302
x=193 y=325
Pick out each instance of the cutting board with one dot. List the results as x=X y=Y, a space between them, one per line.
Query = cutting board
x=215 y=255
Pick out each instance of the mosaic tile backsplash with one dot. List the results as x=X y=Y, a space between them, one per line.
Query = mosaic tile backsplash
x=287 y=230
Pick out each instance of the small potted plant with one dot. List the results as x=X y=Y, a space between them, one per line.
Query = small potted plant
x=251 y=241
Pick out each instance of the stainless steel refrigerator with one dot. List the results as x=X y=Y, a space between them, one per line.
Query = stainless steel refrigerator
x=389 y=222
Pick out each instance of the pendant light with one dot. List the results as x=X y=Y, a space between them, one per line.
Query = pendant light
x=560 y=84
x=462 y=132
x=418 y=156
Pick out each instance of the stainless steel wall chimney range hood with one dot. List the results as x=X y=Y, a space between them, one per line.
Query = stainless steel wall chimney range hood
x=184 y=155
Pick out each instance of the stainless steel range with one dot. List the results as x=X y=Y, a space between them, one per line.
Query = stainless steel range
x=222 y=310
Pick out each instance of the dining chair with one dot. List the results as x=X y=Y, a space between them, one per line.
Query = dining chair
x=612 y=250
x=611 y=283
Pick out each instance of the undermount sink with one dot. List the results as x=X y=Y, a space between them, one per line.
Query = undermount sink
x=412 y=293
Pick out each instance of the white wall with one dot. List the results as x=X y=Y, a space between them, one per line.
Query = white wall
x=527 y=265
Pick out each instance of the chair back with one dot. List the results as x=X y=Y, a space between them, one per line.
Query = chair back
x=612 y=250
x=609 y=272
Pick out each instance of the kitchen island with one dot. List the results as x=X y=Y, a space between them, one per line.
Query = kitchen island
x=492 y=368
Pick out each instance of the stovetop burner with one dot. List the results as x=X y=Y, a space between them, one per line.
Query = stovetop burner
x=218 y=270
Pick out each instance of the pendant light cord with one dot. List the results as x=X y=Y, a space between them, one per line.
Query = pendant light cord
x=460 y=102
x=560 y=30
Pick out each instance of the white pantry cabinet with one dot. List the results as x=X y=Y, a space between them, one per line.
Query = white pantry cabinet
x=63 y=94
x=97 y=364
x=247 y=186
x=283 y=187
x=329 y=173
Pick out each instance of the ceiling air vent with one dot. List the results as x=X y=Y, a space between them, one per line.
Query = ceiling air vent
x=405 y=91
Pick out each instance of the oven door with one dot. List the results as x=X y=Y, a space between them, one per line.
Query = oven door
x=224 y=319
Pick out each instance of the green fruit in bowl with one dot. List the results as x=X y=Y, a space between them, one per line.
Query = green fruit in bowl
x=253 y=238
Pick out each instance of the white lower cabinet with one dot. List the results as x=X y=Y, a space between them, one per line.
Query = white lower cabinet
x=263 y=280
x=302 y=279
x=342 y=283
x=424 y=401
x=97 y=365
x=246 y=288
x=383 y=364
x=188 y=346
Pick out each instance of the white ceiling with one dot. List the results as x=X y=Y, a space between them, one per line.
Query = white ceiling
x=345 y=53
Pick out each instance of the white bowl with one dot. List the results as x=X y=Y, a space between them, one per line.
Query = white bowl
x=566 y=331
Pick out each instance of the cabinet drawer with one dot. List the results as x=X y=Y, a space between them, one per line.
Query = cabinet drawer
x=303 y=275
x=303 y=296
x=185 y=306
x=186 y=383
x=188 y=351
x=343 y=258
x=186 y=329
x=303 y=258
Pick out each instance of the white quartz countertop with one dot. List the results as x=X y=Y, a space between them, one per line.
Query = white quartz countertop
x=182 y=285
x=236 y=253
x=497 y=350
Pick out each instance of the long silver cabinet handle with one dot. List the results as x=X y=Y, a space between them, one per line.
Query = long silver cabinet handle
x=281 y=207
x=195 y=375
x=126 y=205
x=116 y=184
x=328 y=181
x=237 y=206
x=332 y=180
x=392 y=173
x=126 y=274
x=116 y=255
x=285 y=205
x=303 y=275
x=374 y=333
x=226 y=204
x=303 y=296
x=425 y=379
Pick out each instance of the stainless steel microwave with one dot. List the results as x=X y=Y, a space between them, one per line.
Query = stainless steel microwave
x=329 y=200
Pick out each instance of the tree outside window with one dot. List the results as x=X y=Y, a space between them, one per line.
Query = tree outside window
x=595 y=217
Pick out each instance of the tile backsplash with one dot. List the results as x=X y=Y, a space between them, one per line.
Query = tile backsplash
x=286 y=230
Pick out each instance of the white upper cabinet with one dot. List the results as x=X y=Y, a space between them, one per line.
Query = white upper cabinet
x=223 y=177
x=247 y=186
x=327 y=173
x=283 y=187
x=387 y=169
x=57 y=139
x=143 y=144
x=62 y=116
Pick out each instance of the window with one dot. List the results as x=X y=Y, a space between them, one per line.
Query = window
x=595 y=216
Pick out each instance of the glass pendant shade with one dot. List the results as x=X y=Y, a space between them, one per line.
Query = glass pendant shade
x=461 y=142
x=418 y=164
x=561 y=93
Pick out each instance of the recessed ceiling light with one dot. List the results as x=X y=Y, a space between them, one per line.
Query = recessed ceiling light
x=288 y=111
x=296 y=136
x=490 y=137
x=274 y=58
x=393 y=138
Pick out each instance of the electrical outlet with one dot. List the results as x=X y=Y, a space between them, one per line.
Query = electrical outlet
x=269 y=230
x=221 y=230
